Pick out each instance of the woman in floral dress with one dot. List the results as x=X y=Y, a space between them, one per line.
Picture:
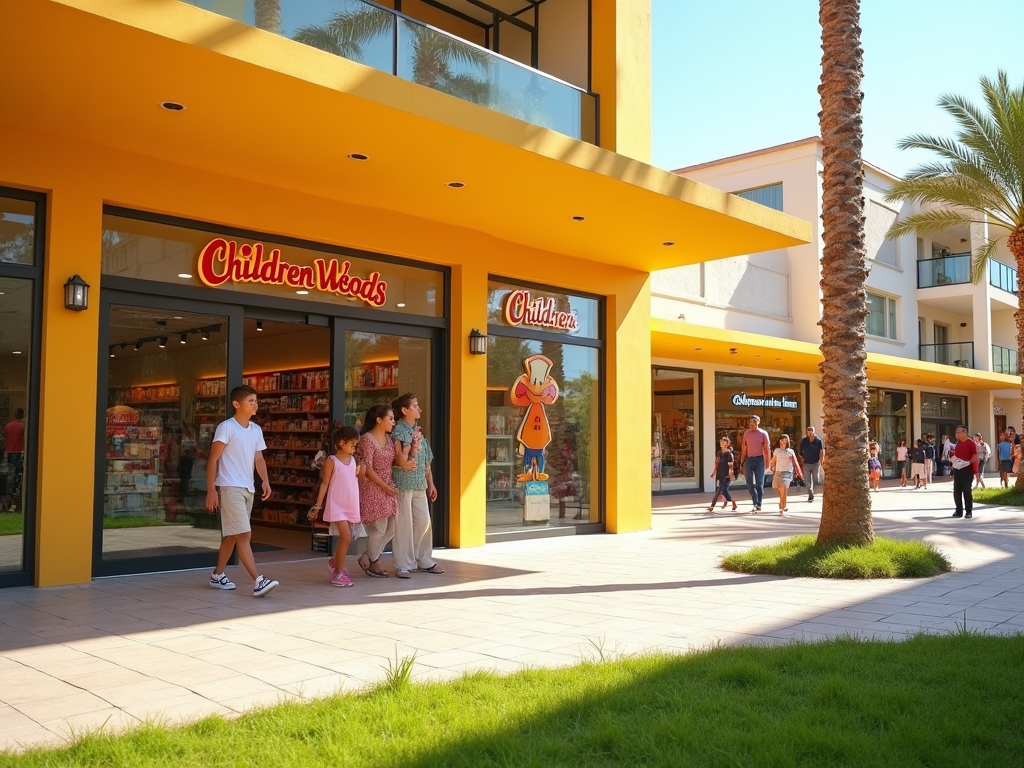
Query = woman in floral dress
x=378 y=503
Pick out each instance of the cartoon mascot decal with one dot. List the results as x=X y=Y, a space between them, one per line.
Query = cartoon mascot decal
x=534 y=389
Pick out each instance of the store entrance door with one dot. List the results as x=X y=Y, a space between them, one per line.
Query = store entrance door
x=167 y=370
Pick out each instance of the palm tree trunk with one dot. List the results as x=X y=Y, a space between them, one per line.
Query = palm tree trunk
x=1015 y=242
x=268 y=15
x=846 y=504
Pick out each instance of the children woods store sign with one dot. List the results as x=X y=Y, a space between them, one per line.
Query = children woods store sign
x=222 y=261
x=744 y=401
x=523 y=309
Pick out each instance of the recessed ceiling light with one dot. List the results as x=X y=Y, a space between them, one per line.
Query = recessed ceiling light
x=456 y=184
x=184 y=338
x=138 y=345
x=579 y=218
x=756 y=355
x=176 y=317
x=184 y=275
x=259 y=325
x=697 y=349
x=172 y=106
x=668 y=243
x=162 y=341
x=733 y=350
x=358 y=156
x=402 y=304
x=302 y=293
x=3 y=293
x=16 y=352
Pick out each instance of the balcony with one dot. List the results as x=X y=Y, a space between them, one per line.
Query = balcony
x=1004 y=360
x=1002 y=277
x=398 y=45
x=948 y=270
x=960 y=354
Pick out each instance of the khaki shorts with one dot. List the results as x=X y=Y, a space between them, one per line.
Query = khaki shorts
x=235 y=509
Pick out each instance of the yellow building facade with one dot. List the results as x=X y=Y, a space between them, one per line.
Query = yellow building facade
x=204 y=176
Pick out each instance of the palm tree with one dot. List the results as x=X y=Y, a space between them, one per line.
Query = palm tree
x=846 y=504
x=267 y=15
x=347 y=33
x=979 y=180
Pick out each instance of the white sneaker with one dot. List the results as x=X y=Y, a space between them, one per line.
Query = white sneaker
x=263 y=585
x=221 y=582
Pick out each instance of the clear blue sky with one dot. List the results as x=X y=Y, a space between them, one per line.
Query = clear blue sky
x=731 y=76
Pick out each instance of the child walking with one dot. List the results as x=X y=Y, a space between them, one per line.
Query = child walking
x=237 y=448
x=874 y=467
x=784 y=465
x=918 y=465
x=340 y=487
x=723 y=474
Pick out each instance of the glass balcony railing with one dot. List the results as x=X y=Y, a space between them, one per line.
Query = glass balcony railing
x=1004 y=360
x=391 y=42
x=960 y=354
x=948 y=270
x=1002 y=276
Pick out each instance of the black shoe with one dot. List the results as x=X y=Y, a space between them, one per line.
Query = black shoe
x=810 y=497
x=968 y=516
x=957 y=514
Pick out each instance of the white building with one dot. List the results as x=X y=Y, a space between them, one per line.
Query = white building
x=941 y=349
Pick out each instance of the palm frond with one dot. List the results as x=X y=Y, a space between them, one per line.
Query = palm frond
x=947 y=148
x=929 y=222
x=980 y=259
x=957 y=190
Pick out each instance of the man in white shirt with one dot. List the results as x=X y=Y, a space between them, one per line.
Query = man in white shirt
x=237 y=449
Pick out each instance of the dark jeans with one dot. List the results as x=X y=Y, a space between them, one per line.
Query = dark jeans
x=963 y=479
x=722 y=489
x=811 y=476
x=753 y=472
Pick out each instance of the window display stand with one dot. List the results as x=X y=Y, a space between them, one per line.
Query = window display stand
x=133 y=481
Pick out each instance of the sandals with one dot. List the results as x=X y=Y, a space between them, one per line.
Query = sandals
x=366 y=565
x=435 y=568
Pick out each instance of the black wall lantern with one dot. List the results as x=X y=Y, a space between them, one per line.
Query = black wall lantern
x=477 y=343
x=76 y=294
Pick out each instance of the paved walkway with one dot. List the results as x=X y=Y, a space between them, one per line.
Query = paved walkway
x=118 y=651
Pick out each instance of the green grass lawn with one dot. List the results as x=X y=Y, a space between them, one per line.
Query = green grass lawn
x=800 y=556
x=1004 y=497
x=948 y=701
x=11 y=522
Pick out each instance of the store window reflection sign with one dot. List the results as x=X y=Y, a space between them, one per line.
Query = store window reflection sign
x=522 y=308
x=742 y=400
x=222 y=260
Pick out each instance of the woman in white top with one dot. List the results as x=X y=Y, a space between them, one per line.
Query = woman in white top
x=784 y=465
x=901 y=461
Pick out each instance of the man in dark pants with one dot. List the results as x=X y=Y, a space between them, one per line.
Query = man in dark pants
x=811 y=451
x=964 y=459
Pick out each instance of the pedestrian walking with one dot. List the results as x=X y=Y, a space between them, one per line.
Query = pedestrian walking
x=964 y=461
x=723 y=474
x=378 y=503
x=338 y=497
x=1004 y=452
x=236 y=451
x=754 y=456
x=874 y=467
x=902 y=455
x=918 y=465
x=811 y=450
x=784 y=467
x=929 y=456
x=984 y=451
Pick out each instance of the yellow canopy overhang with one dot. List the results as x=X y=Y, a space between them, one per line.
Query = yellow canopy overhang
x=267 y=109
x=714 y=346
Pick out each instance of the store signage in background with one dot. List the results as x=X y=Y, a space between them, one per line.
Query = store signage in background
x=765 y=402
x=222 y=261
x=521 y=308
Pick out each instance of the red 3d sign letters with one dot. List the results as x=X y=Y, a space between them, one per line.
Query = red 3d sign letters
x=522 y=309
x=222 y=261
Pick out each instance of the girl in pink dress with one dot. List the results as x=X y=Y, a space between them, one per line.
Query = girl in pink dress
x=340 y=486
x=378 y=498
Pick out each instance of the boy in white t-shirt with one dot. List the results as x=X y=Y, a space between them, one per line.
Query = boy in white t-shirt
x=237 y=448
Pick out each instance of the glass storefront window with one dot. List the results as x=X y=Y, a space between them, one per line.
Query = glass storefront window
x=675 y=430
x=17 y=231
x=184 y=256
x=887 y=424
x=780 y=403
x=15 y=364
x=517 y=306
x=941 y=414
x=543 y=436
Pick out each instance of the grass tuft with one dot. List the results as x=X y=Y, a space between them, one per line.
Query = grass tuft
x=1003 y=497
x=801 y=556
x=397 y=674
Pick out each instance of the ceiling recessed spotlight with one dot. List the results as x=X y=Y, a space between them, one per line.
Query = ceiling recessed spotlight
x=177 y=317
x=3 y=293
x=138 y=345
x=668 y=243
x=400 y=304
x=456 y=184
x=733 y=350
x=172 y=106
x=162 y=341
x=778 y=358
x=206 y=335
x=16 y=352
x=184 y=338
x=579 y=218
x=358 y=156
x=259 y=325
x=184 y=275
x=302 y=292
x=697 y=349
x=756 y=355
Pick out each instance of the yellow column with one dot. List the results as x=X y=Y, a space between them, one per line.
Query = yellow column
x=67 y=426
x=621 y=75
x=629 y=407
x=468 y=433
